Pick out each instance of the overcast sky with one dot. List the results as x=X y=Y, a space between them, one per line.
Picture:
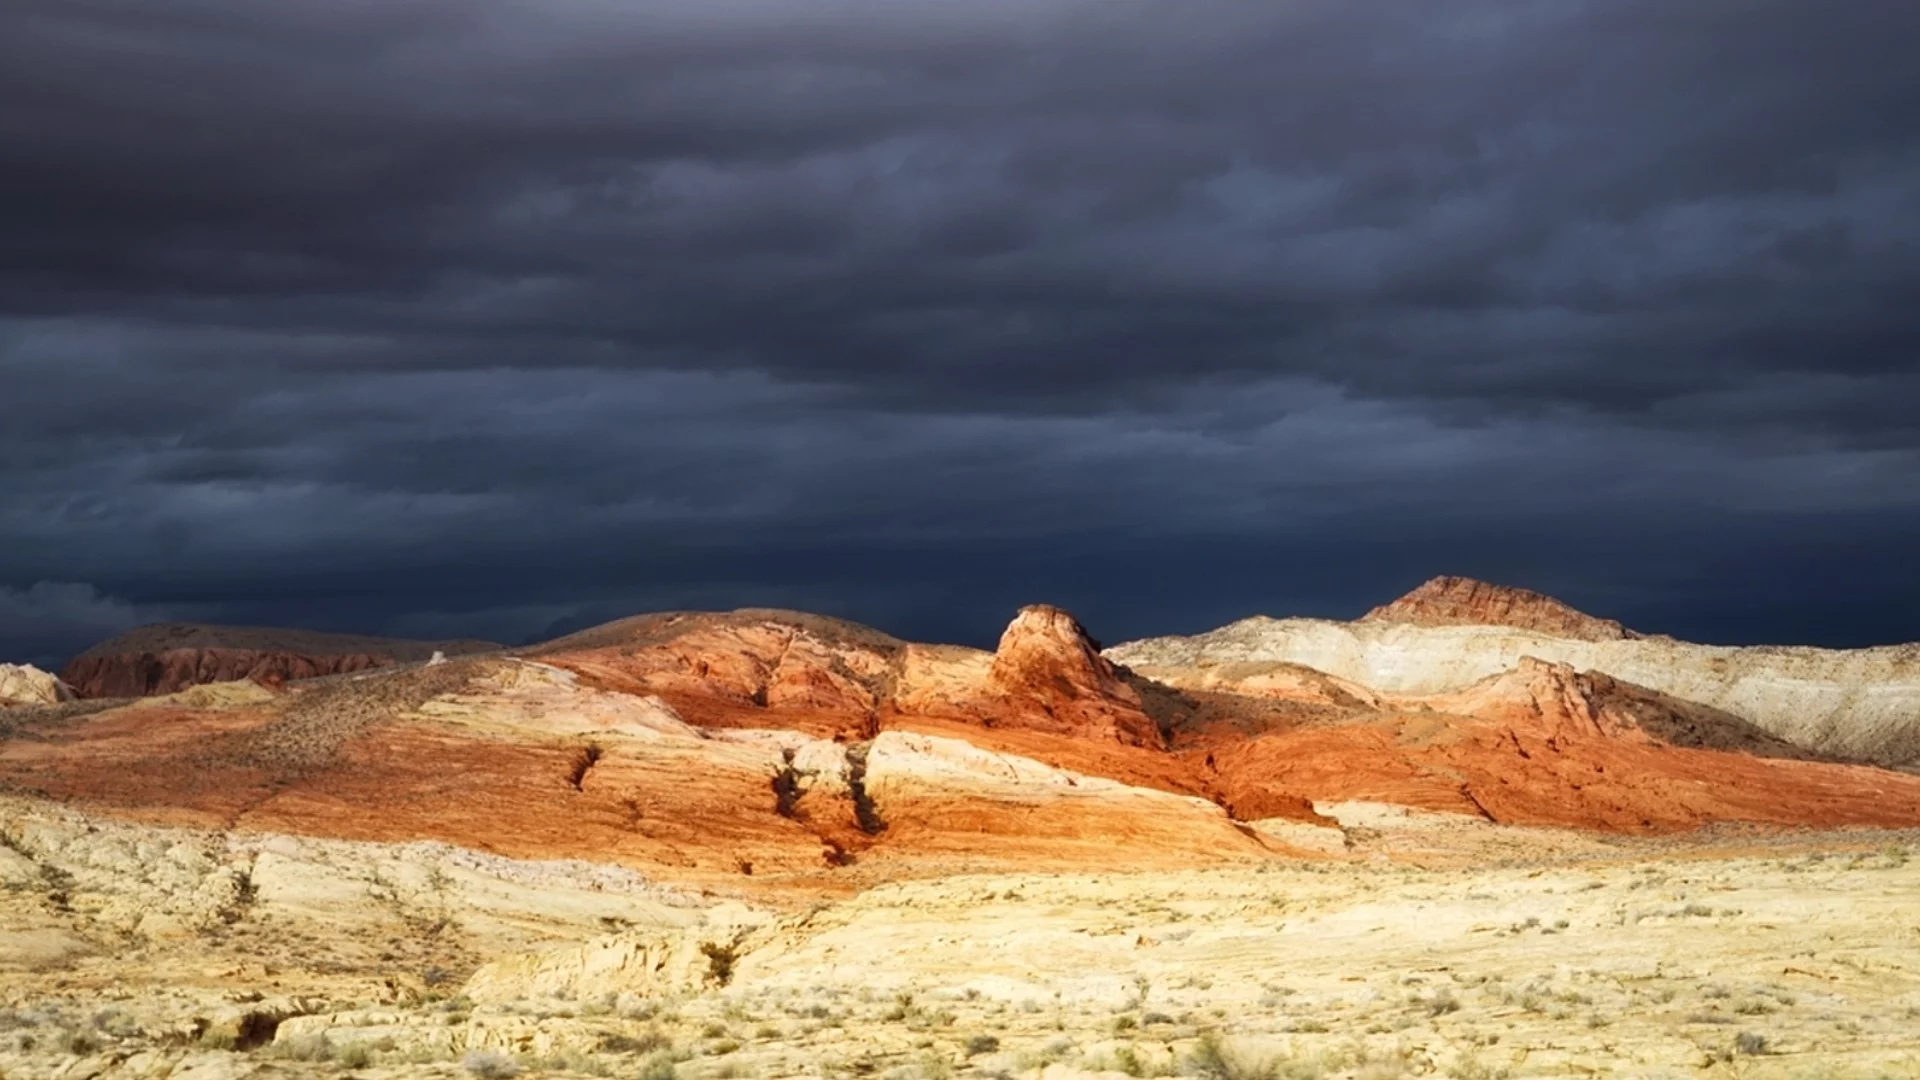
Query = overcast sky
x=498 y=317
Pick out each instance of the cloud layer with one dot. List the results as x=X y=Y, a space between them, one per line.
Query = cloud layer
x=497 y=317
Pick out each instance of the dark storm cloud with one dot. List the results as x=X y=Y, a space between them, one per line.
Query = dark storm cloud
x=490 y=317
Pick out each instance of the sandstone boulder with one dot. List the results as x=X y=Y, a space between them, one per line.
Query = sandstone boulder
x=24 y=684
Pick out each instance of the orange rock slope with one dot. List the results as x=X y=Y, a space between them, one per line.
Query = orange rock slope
x=1457 y=601
x=778 y=750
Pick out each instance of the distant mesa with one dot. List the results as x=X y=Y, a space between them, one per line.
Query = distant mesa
x=1460 y=601
x=168 y=657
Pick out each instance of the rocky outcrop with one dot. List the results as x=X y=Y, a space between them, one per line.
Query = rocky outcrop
x=655 y=962
x=728 y=669
x=1459 y=601
x=1861 y=704
x=168 y=657
x=831 y=678
x=24 y=684
x=773 y=751
x=1049 y=672
x=1554 y=701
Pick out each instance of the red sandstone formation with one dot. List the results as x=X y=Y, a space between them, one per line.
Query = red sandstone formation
x=1520 y=777
x=1554 y=701
x=830 y=677
x=806 y=753
x=169 y=657
x=1458 y=601
x=1048 y=666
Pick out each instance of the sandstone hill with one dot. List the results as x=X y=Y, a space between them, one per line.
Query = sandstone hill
x=1860 y=704
x=711 y=844
x=167 y=657
x=784 y=753
x=1458 y=601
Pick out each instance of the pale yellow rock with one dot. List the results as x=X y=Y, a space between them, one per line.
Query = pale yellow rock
x=1524 y=952
x=656 y=962
x=24 y=684
x=1853 y=702
x=527 y=695
x=235 y=693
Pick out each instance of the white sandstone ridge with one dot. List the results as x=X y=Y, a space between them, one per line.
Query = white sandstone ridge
x=24 y=684
x=1856 y=703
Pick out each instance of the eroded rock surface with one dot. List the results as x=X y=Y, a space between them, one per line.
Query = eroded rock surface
x=1048 y=665
x=1862 y=704
x=169 y=657
x=142 y=952
x=1459 y=601
x=785 y=754
x=24 y=684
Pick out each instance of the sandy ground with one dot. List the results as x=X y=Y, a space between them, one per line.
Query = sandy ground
x=1430 y=947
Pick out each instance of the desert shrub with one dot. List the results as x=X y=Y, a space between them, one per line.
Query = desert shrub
x=80 y=1042
x=720 y=960
x=1209 y=1059
x=115 y=1023
x=1470 y=1067
x=355 y=1055
x=1442 y=1003
x=657 y=1066
x=1122 y=1059
x=490 y=1065
x=981 y=1044
x=644 y=1043
x=634 y=1007
x=574 y=1061
x=1748 y=1042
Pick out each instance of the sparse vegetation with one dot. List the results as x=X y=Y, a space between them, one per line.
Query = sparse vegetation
x=644 y=1043
x=657 y=1066
x=490 y=1065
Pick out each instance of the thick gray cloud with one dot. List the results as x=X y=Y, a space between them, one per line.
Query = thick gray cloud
x=493 y=317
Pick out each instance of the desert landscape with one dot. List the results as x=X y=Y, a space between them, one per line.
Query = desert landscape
x=1473 y=834
x=897 y=540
